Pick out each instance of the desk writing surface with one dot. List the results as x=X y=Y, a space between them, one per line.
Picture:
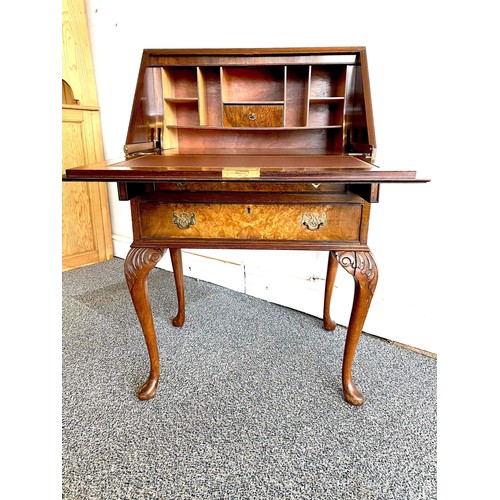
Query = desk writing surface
x=315 y=167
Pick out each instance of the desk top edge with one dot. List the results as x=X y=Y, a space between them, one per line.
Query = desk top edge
x=256 y=51
x=283 y=168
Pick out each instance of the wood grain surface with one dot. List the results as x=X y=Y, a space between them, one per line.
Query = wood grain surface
x=250 y=221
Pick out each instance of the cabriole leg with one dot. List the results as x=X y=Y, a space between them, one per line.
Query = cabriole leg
x=331 y=273
x=362 y=266
x=176 y=257
x=138 y=264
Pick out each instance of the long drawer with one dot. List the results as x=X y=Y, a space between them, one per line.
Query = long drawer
x=157 y=220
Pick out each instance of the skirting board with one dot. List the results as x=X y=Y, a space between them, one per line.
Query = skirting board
x=292 y=279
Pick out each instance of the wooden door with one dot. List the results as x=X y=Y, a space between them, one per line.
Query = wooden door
x=86 y=231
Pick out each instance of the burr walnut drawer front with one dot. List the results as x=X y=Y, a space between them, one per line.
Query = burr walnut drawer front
x=331 y=222
x=253 y=115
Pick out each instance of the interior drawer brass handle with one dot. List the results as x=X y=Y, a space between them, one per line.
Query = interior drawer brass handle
x=252 y=116
x=184 y=220
x=313 y=221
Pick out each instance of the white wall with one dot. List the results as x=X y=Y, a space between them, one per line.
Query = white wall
x=420 y=121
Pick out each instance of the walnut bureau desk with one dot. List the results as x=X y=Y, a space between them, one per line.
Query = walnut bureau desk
x=253 y=149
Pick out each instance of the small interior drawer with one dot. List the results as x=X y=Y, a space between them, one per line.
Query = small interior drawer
x=253 y=115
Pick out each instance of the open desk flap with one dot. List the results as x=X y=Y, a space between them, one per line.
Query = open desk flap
x=283 y=168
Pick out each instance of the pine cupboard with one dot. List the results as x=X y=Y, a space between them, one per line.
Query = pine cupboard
x=86 y=229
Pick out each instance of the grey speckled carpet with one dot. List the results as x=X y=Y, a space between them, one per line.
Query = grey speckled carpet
x=249 y=405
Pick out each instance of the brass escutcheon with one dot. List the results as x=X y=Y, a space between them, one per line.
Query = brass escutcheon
x=252 y=116
x=313 y=221
x=184 y=220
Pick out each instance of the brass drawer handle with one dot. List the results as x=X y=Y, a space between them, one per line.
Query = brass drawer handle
x=252 y=116
x=184 y=220
x=313 y=221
